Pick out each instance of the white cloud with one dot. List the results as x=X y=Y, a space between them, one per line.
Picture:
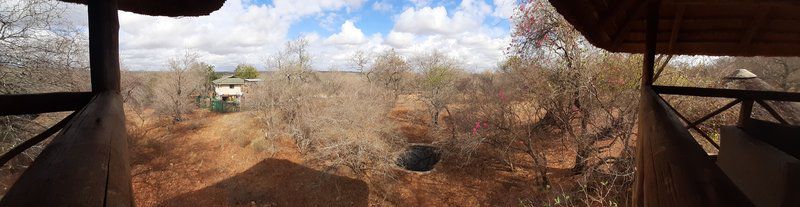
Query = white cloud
x=237 y=33
x=400 y=39
x=504 y=8
x=349 y=35
x=426 y=20
x=242 y=32
x=382 y=6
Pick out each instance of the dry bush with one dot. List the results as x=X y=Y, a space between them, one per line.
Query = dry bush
x=437 y=75
x=175 y=91
x=334 y=119
x=390 y=71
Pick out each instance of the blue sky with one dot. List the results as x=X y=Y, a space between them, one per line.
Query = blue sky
x=476 y=32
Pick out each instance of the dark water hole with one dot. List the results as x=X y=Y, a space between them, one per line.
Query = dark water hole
x=419 y=158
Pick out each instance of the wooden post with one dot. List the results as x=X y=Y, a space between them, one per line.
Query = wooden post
x=651 y=39
x=104 y=45
x=648 y=65
x=745 y=111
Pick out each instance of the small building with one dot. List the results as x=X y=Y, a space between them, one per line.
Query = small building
x=228 y=88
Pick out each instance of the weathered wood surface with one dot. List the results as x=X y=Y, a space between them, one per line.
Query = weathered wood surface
x=85 y=165
x=43 y=102
x=672 y=168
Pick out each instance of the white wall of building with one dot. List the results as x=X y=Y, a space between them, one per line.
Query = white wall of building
x=226 y=90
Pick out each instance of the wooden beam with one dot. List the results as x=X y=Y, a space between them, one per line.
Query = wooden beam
x=622 y=30
x=728 y=93
x=35 y=140
x=757 y=23
x=686 y=121
x=714 y=113
x=42 y=103
x=676 y=26
x=618 y=10
x=104 y=45
x=736 y=2
x=661 y=68
x=745 y=111
x=86 y=164
x=652 y=38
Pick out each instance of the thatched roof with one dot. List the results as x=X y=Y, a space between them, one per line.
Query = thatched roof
x=172 y=8
x=692 y=27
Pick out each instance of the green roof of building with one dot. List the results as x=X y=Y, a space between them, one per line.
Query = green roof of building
x=230 y=80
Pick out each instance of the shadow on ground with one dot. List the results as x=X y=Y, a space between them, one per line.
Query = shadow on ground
x=275 y=182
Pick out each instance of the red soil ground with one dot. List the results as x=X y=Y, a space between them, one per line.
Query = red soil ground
x=209 y=161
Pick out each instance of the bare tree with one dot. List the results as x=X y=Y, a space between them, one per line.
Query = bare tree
x=390 y=71
x=437 y=75
x=360 y=61
x=174 y=94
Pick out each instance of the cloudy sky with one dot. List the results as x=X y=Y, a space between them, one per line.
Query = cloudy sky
x=248 y=31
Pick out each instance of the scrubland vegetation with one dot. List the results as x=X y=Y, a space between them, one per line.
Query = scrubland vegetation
x=552 y=125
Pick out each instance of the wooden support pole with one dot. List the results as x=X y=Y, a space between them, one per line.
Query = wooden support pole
x=745 y=111
x=651 y=40
x=104 y=45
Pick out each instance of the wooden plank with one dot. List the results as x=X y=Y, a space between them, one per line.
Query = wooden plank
x=85 y=165
x=673 y=169
x=104 y=45
x=35 y=140
x=728 y=93
x=686 y=122
x=42 y=103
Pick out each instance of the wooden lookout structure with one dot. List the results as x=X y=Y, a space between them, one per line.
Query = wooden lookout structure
x=672 y=168
x=86 y=164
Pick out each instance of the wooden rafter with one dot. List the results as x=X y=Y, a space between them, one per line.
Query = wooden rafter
x=676 y=27
x=757 y=23
x=623 y=29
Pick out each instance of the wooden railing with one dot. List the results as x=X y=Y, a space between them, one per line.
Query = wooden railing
x=672 y=168
x=86 y=164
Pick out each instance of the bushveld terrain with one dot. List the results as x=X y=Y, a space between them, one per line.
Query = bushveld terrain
x=553 y=124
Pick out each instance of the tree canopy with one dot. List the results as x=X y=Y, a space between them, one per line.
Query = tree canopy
x=245 y=71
